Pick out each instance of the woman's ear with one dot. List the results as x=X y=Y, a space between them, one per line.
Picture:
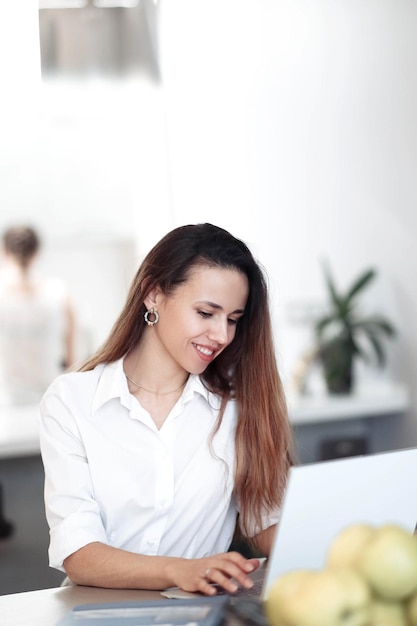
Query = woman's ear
x=152 y=299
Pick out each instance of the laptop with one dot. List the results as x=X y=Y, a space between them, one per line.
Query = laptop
x=323 y=498
x=206 y=611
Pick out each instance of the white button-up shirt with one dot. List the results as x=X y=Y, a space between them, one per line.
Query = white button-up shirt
x=113 y=477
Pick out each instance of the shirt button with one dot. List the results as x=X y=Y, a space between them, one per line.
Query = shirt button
x=150 y=542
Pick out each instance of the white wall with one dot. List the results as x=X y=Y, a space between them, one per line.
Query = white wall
x=210 y=54
x=85 y=163
x=293 y=123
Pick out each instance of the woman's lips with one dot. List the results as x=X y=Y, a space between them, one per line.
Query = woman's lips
x=206 y=354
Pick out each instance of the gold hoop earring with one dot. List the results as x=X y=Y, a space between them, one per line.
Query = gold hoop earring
x=151 y=322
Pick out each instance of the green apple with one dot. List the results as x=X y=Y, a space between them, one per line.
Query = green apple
x=389 y=562
x=386 y=613
x=330 y=597
x=284 y=591
x=348 y=545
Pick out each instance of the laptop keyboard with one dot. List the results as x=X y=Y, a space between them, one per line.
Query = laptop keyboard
x=254 y=592
x=245 y=612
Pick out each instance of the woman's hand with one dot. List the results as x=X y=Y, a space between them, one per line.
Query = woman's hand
x=228 y=570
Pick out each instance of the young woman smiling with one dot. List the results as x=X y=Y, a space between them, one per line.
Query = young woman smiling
x=175 y=432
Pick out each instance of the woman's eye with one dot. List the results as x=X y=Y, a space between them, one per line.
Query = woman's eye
x=232 y=322
x=204 y=314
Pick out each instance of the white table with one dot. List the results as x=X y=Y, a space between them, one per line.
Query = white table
x=19 y=434
x=371 y=418
x=47 y=606
x=365 y=402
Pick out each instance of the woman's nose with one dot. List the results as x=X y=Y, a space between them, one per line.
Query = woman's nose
x=219 y=331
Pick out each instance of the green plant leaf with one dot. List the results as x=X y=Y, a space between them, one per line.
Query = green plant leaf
x=357 y=350
x=334 y=296
x=377 y=346
x=363 y=280
x=322 y=324
x=376 y=325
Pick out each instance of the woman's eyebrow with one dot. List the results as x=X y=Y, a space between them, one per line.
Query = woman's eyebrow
x=213 y=305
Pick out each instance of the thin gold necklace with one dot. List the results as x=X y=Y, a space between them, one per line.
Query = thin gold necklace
x=156 y=393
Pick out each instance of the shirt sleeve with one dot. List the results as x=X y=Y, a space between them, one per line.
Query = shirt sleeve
x=71 y=510
x=268 y=518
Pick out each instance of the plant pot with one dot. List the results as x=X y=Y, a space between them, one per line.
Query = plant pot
x=336 y=358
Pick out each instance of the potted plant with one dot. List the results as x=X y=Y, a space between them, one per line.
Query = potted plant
x=343 y=334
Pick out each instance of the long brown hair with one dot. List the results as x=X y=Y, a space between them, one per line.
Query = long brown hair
x=246 y=370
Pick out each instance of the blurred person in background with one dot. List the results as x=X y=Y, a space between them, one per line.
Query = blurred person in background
x=36 y=321
x=36 y=328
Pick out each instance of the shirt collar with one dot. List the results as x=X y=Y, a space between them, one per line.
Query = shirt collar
x=113 y=384
x=196 y=386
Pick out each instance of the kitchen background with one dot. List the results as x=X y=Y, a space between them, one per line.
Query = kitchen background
x=289 y=122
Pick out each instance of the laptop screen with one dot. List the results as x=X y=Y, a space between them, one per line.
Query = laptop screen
x=323 y=498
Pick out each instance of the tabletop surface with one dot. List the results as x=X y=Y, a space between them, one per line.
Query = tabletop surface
x=19 y=425
x=47 y=606
x=365 y=402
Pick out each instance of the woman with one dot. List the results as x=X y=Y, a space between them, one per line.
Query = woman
x=36 y=321
x=175 y=428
